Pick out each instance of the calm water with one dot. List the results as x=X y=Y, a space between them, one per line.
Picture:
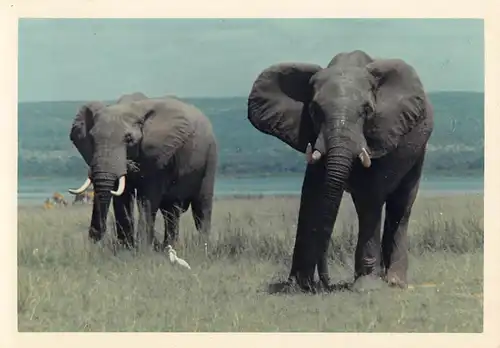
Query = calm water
x=35 y=191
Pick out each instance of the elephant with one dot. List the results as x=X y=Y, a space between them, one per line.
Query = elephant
x=59 y=200
x=163 y=154
x=363 y=125
x=84 y=197
x=47 y=204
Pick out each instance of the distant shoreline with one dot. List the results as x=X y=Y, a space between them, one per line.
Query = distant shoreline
x=442 y=175
x=424 y=193
x=213 y=98
x=34 y=191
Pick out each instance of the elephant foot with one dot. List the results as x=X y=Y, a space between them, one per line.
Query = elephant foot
x=288 y=287
x=127 y=243
x=325 y=284
x=168 y=242
x=311 y=287
x=337 y=287
x=395 y=281
x=304 y=282
x=367 y=283
x=158 y=246
x=155 y=245
x=95 y=235
x=297 y=285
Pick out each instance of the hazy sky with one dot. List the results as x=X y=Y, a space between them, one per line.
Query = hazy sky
x=82 y=59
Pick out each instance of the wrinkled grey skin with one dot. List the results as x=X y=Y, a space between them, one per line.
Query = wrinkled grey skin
x=354 y=103
x=167 y=152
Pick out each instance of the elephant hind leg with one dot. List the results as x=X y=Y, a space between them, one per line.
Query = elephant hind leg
x=202 y=202
x=395 y=238
x=147 y=216
x=201 y=208
x=171 y=216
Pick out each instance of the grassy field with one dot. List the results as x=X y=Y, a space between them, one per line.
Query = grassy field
x=66 y=284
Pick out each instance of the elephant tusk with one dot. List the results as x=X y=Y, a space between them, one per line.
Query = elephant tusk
x=316 y=156
x=85 y=186
x=308 y=152
x=121 y=187
x=312 y=157
x=365 y=158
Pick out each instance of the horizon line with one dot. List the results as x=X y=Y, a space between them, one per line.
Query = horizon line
x=208 y=97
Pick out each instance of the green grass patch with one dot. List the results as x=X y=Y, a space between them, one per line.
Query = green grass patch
x=66 y=284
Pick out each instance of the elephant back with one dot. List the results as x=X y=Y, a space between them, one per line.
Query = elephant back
x=128 y=98
x=355 y=58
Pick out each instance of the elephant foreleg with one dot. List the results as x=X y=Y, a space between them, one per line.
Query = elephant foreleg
x=367 y=255
x=171 y=216
x=395 y=239
x=304 y=263
x=124 y=213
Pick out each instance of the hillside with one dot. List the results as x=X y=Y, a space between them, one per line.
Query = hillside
x=456 y=147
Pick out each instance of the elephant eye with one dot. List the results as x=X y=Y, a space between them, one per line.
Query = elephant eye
x=368 y=109
x=128 y=138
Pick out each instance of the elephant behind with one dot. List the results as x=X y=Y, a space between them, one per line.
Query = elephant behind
x=160 y=151
x=363 y=125
x=59 y=200
x=84 y=197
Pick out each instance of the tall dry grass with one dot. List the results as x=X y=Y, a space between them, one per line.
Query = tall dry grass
x=263 y=228
x=65 y=283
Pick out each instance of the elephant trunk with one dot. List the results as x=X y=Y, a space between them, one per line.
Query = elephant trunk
x=105 y=177
x=103 y=185
x=338 y=168
x=316 y=221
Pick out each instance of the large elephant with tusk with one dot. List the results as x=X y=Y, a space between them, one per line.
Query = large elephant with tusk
x=160 y=151
x=363 y=125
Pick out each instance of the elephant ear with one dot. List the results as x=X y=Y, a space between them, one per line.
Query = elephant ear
x=400 y=102
x=82 y=124
x=168 y=124
x=128 y=98
x=278 y=103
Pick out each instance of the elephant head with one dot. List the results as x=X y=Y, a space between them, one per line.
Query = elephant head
x=110 y=138
x=354 y=110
